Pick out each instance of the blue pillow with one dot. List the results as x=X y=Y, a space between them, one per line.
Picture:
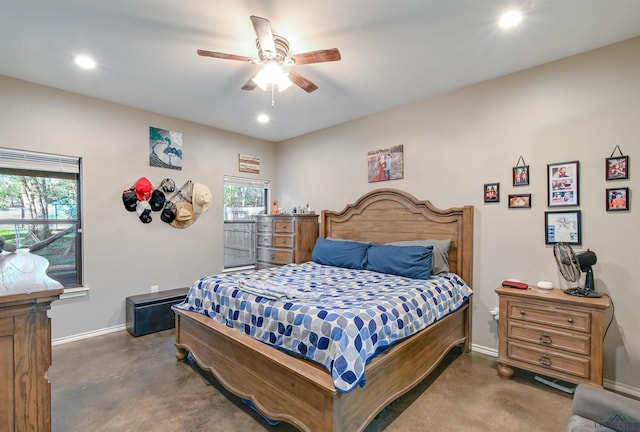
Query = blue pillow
x=408 y=261
x=440 y=252
x=340 y=253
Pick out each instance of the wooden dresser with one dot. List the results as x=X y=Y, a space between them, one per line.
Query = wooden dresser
x=551 y=333
x=25 y=357
x=285 y=239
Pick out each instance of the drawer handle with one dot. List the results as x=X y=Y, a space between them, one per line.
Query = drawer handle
x=545 y=360
x=545 y=338
x=570 y=320
x=273 y=256
x=522 y=312
x=284 y=227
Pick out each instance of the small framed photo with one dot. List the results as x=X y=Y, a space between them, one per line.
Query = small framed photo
x=563 y=184
x=520 y=201
x=562 y=226
x=618 y=199
x=617 y=168
x=521 y=175
x=492 y=192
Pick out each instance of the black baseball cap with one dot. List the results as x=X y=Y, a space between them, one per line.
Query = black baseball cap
x=168 y=214
x=157 y=200
x=129 y=199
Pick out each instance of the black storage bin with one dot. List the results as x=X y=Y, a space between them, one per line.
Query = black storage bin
x=150 y=313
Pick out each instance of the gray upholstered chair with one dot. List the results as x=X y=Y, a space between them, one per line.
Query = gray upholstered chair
x=596 y=409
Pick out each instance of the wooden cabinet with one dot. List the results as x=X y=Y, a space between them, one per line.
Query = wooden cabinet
x=551 y=333
x=25 y=357
x=285 y=239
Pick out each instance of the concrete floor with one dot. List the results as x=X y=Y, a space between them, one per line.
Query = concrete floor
x=120 y=383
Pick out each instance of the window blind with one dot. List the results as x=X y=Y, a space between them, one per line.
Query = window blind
x=26 y=160
x=241 y=181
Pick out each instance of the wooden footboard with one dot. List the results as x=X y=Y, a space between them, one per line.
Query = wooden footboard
x=299 y=392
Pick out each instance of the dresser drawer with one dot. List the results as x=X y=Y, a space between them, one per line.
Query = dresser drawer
x=283 y=241
x=264 y=239
x=566 y=340
x=550 y=315
x=284 y=226
x=264 y=226
x=275 y=256
x=549 y=359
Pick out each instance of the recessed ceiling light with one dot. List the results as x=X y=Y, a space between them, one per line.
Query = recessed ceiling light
x=263 y=118
x=85 y=62
x=510 y=19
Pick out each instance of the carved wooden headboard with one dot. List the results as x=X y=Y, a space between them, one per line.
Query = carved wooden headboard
x=388 y=215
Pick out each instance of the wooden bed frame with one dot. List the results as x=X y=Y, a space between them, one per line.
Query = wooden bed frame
x=299 y=392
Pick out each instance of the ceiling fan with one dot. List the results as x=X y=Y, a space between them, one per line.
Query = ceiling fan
x=273 y=54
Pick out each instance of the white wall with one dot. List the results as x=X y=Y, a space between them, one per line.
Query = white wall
x=123 y=256
x=574 y=109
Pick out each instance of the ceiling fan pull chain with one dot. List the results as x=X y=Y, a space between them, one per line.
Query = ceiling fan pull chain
x=273 y=103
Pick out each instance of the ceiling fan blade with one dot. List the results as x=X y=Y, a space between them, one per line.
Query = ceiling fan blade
x=223 y=56
x=251 y=84
x=302 y=82
x=326 y=55
x=262 y=27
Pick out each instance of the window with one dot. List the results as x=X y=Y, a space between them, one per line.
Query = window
x=40 y=209
x=243 y=199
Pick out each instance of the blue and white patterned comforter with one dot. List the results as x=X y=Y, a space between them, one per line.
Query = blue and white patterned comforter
x=337 y=317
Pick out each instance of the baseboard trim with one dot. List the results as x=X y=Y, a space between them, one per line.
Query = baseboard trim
x=88 y=335
x=484 y=350
x=608 y=384
x=622 y=388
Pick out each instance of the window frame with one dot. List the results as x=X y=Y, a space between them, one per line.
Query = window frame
x=35 y=164
x=244 y=182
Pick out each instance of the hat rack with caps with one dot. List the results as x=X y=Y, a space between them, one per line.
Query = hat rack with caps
x=178 y=207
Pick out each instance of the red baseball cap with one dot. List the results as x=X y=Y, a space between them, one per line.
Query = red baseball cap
x=143 y=189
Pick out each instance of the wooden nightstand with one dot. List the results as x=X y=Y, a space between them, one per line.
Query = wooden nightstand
x=551 y=333
x=285 y=239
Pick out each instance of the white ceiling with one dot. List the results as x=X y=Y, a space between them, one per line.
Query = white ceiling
x=393 y=52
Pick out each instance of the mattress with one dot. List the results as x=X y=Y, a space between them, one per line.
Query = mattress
x=339 y=318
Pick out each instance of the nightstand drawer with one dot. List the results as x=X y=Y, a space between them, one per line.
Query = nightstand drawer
x=575 y=342
x=284 y=226
x=549 y=359
x=550 y=315
x=275 y=256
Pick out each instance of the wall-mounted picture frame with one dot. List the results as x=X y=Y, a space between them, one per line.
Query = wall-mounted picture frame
x=165 y=148
x=492 y=192
x=520 y=175
x=385 y=164
x=617 y=168
x=520 y=201
x=563 y=226
x=563 y=184
x=617 y=199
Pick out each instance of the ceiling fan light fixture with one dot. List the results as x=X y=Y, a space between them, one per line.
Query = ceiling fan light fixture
x=510 y=19
x=272 y=74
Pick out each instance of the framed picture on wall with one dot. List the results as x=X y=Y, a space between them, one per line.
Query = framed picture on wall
x=520 y=201
x=385 y=164
x=563 y=183
x=492 y=192
x=617 y=199
x=521 y=175
x=562 y=226
x=617 y=168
